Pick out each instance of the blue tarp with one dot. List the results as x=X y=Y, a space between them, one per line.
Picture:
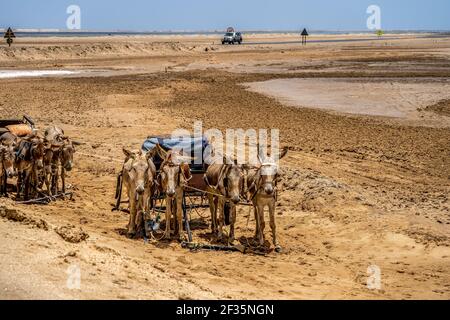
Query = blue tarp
x=193 y=145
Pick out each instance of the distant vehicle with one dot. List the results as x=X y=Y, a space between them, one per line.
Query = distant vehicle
x=232 y=38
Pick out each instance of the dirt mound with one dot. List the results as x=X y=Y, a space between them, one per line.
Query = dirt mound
x=313 y=191
x=426 y=237
x=88 y=50
x=71 y=234
x=442 y=108
x=18 y=216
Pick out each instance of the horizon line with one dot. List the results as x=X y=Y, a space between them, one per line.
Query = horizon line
x=54 y=30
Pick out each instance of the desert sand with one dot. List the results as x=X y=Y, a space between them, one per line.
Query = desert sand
x=366 y=181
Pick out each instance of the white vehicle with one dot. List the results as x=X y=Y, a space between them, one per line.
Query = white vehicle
x=232 y=38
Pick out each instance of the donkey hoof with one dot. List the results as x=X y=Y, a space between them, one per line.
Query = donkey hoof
x=131 y=235
x=278 y=249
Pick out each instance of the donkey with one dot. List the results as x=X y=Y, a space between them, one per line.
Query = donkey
x=138 y=174
x=58 y=159
x=225 y=184
x=6 y=167
x=174 y=174
x=9 y=139
x=54 y=134
x=29 y=161
x=262 y=187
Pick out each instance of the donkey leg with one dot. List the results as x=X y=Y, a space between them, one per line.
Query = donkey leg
x=168 y=217
x=139 y=216
x=212 y=210
x=19 y=184
x=27 y=183
x=47 y=182
x=273 y=226
x=56 y=183
x=255 y=212
x=262 y=224
x=2 y=184
x=63 y=181
x=232 y=222
x=180 y=215
x=2 y=190
x=5 y=185
x=54 y=180
x=132 y=222
x=220 y=208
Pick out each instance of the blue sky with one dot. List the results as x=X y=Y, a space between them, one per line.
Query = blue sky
x=148 y=15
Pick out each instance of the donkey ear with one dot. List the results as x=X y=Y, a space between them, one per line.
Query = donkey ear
x=260 y=155
x=127 y=153
x=160 y=151
x=150 y=154
x=186 y=171
x=284 y=152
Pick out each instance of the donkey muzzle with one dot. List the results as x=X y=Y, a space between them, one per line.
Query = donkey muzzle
x=170 y=193
x=235 y=199
x=68 y=166
x=40 y=164
x=140 y=189
x=10 y=173
x=268 y=189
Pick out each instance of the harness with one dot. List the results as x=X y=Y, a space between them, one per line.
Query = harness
x=258 y=184
x=221 y=174
x=24 y=152
x=180 y=172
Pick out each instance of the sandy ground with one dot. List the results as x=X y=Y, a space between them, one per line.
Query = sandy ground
x=402 y=99
x=358 y=190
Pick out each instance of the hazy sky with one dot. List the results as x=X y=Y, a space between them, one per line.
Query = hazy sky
x=147 y=15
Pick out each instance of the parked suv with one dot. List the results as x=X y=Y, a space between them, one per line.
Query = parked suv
x=232 y=38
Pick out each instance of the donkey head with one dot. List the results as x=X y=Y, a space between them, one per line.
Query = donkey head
x=37 y=151
x=174 y=171
x=268 y=171
x=67 y=151
x=7 y=160
x=233 y=181
x=138 y=170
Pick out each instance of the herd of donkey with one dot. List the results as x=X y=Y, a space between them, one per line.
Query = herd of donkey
x=38 y=160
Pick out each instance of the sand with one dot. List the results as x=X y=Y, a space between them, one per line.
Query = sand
x=384 y=97
x=358 y=190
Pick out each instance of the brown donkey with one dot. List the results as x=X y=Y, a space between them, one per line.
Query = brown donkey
x=6 y=167
x=174 y=174
x=262 y=187
x=58 y=159
x=225 y=184
x=29 y=162
x=138 y=175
